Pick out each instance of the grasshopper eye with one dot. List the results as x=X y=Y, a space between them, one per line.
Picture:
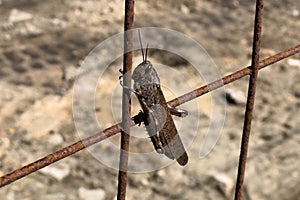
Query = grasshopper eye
x=148 y=69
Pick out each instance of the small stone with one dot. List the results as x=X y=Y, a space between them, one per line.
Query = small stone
x=115 y=198
x=58 y=24
x=91 y=194
x=224 y=183
x=31 y=30
x=145 y=182
x=293 y=62
x=235 y=97
x=7 y=37
x=295 y=13
x=161 y=173
x=11 y=131
x=59 y=172
x=184 y=9
x=18 y=16
x=236 y=3
x=56 y=139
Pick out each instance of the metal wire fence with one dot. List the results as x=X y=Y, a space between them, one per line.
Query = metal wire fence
x=127 y=122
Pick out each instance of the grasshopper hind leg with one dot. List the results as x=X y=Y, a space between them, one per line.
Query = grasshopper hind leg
x=178 y=112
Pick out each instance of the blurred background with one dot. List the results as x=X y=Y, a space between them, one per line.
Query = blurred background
x=43 y=43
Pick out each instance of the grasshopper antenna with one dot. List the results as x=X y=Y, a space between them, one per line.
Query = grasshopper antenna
x=142 y=46
x=146 y=53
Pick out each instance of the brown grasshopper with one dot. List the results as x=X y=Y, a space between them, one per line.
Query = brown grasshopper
x=156 y=114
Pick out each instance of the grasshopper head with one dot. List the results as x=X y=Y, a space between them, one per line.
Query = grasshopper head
x=145 y=73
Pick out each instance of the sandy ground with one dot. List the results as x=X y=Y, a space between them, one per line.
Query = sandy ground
x=43 y=44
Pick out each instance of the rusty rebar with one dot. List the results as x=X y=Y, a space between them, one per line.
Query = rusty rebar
x=126 y=99
x=233 y=77
x=58 y=155
x=250 y=99
x=84 y=143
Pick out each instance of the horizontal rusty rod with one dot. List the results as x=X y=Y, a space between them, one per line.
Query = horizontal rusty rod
x=74 y=148
x=58 y=155
x=233 y=77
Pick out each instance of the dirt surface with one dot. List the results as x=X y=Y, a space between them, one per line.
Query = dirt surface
x=43 y=43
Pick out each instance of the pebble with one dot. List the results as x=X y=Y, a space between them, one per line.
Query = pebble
x=145 y=182
x=59 y=24
x=235 y=97
x=224 y=182
x=293 y=62
x=184 y=9
x=91 y=194
x=18 y=16
x=56 y=139
x=115 y=198
x=30 y=30
x=59 y=172
x=295 y=13
x=161 y=173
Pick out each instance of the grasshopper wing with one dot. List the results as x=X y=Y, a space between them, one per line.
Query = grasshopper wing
x=168 y=135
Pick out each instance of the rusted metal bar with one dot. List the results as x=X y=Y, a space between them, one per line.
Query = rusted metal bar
x=126 y=102
x=232 y=77
x=58 y=155
x=113 y=130
x=250 y=99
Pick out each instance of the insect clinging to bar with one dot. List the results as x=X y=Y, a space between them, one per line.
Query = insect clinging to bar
x=156 y=114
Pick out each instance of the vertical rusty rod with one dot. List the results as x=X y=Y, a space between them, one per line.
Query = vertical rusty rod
x=250 y=98
x=126 y=101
